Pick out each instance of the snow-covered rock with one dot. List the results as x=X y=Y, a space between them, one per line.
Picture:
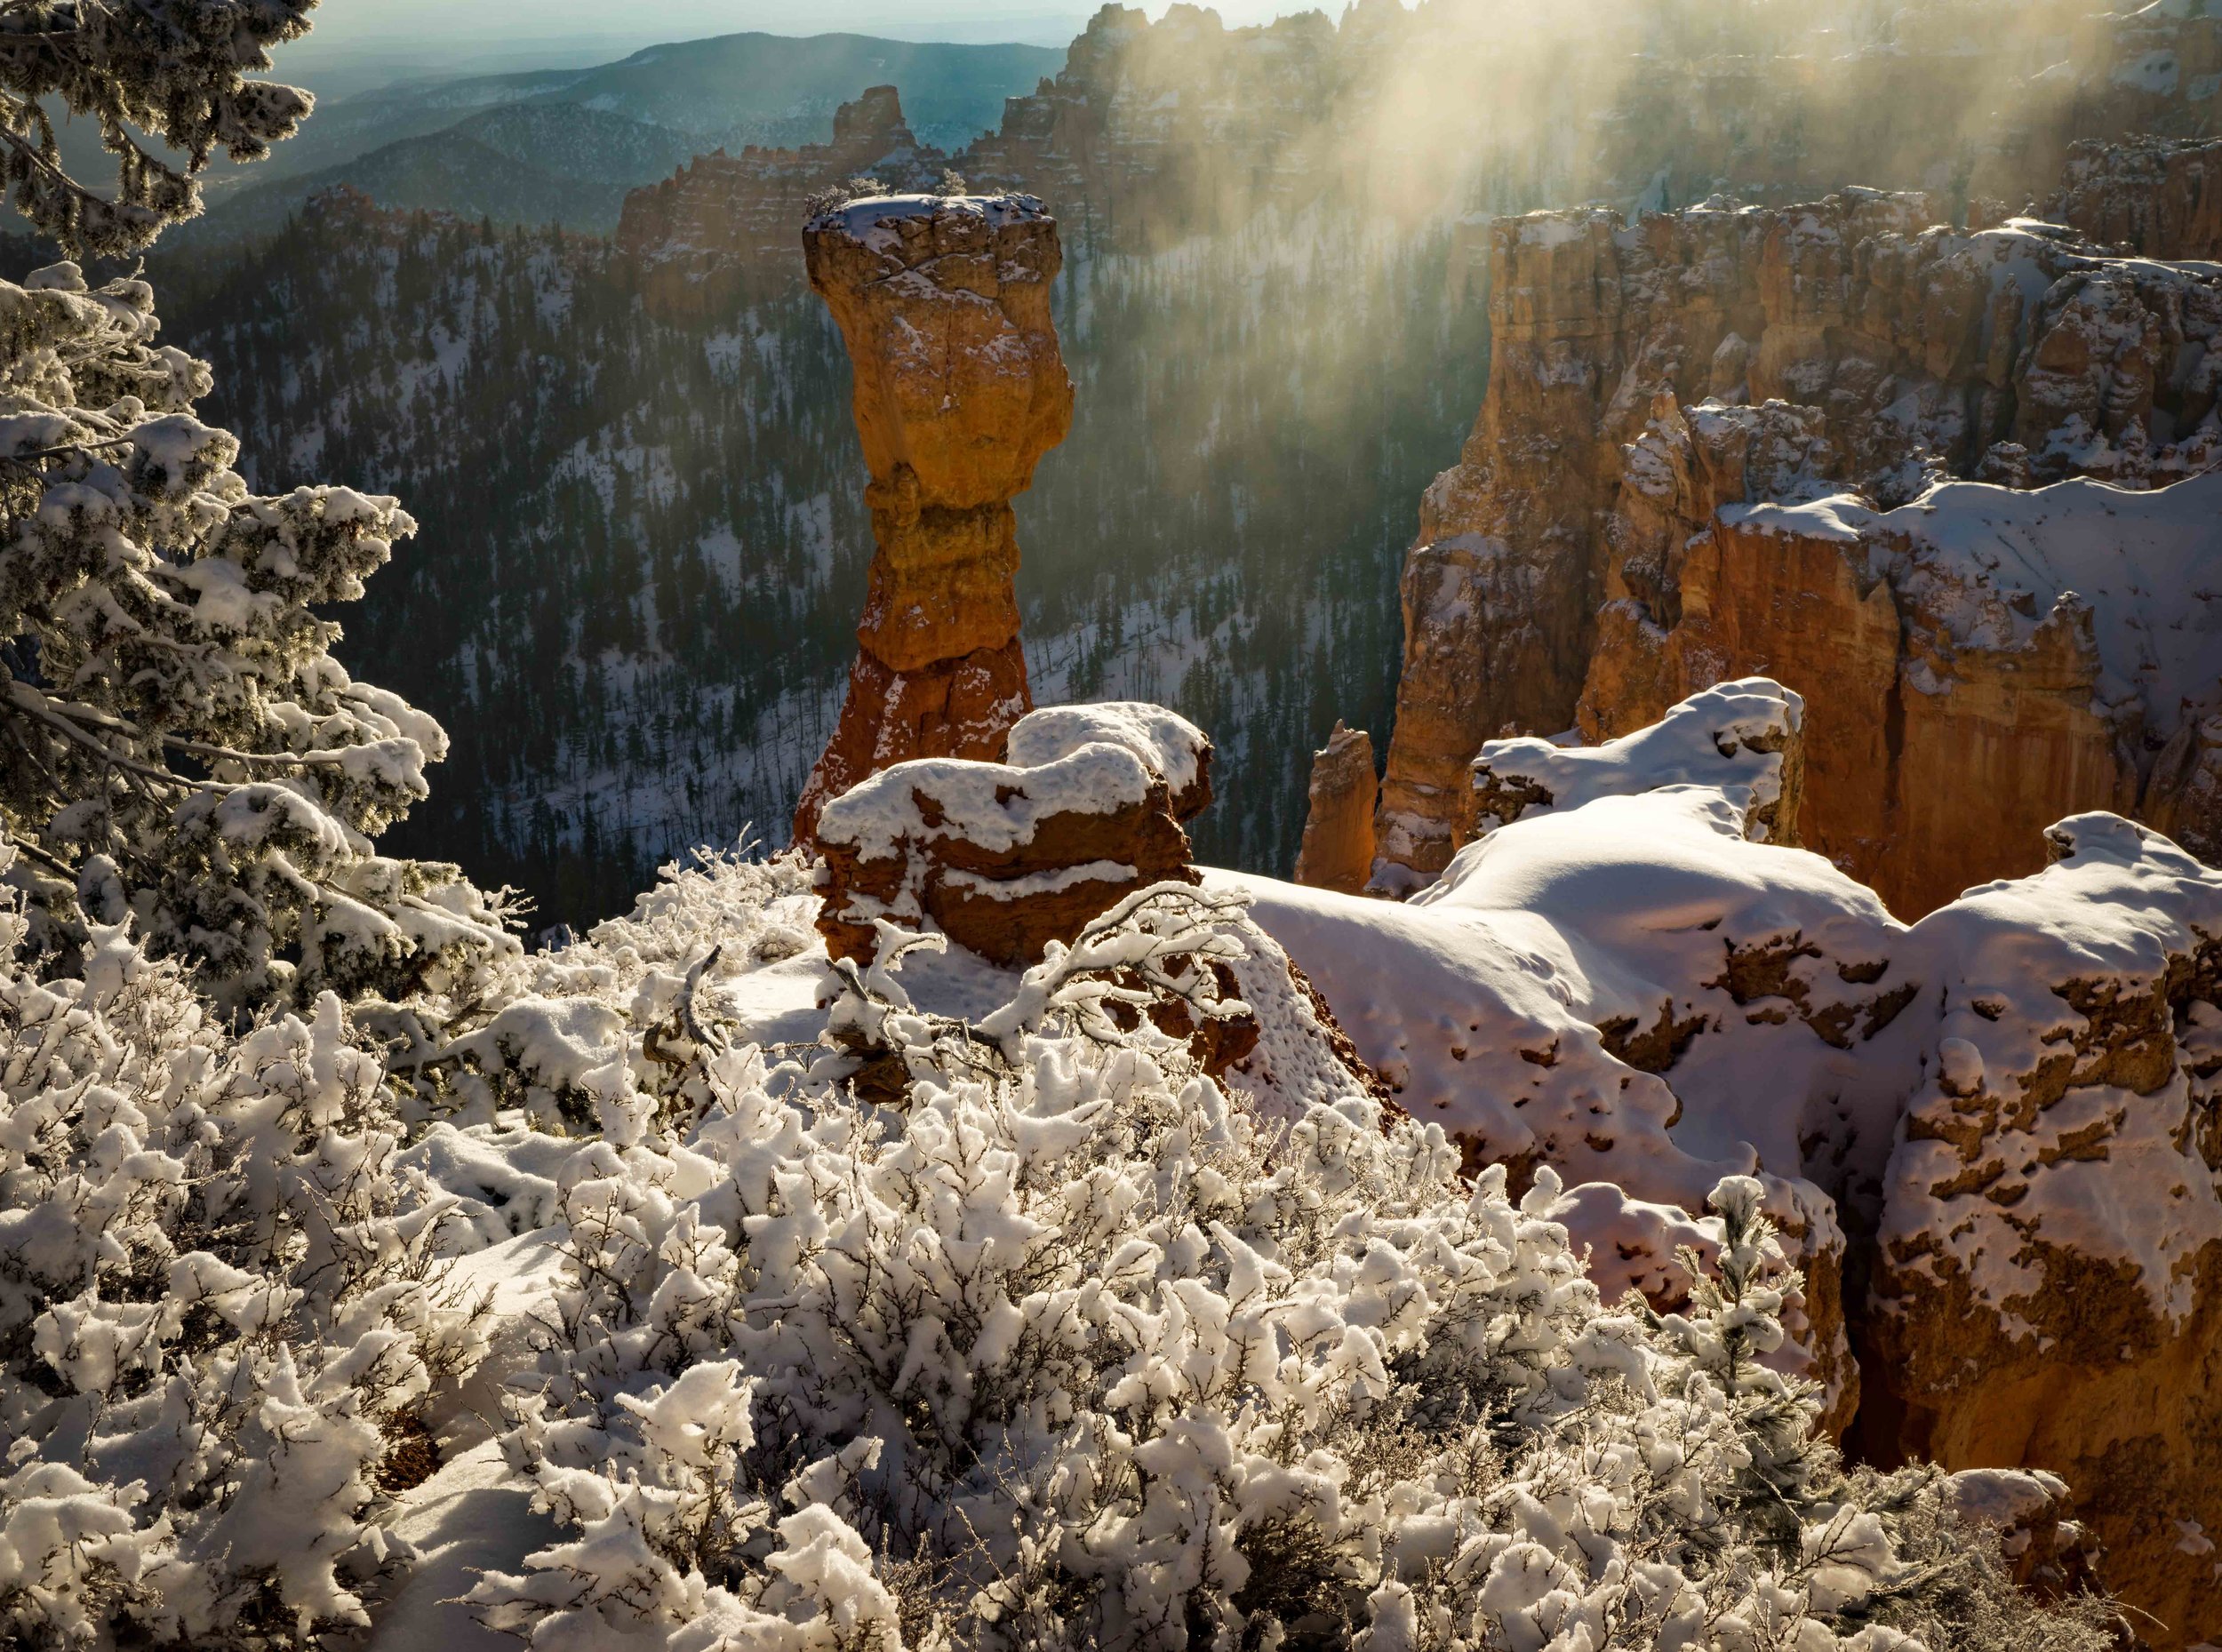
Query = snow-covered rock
x=1006 y=857
x=1998 y=1117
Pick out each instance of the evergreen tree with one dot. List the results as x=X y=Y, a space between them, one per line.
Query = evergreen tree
x=175 y=69
x=182 y=749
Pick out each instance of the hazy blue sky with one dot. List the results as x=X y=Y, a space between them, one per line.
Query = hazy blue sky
x=486 y=35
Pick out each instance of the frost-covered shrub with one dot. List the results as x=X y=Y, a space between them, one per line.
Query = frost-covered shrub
x=181 y=746
x=1067 y=1350
x=599 y=1035
x=221 y=1324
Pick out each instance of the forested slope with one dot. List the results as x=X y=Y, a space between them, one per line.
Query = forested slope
x=643 y=545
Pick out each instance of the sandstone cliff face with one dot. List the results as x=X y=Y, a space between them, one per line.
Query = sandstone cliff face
x=2041 y=651
x=1592 y=560
x=1990 y=1133
x=944 y=304
x=2159 y=71
x=2048 y=1285
x=703 y=235
x=2157 y=197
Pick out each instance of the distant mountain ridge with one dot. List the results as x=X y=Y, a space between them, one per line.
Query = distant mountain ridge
x=545 y=145
x=529 y=163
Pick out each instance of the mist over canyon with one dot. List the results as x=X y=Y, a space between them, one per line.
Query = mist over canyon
x=1276 y=301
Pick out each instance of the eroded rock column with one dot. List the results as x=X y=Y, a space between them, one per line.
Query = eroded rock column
x=1338 y=847
x=944 y=304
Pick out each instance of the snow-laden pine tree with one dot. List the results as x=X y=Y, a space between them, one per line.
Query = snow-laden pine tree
x=172 y=70
x=181 y=749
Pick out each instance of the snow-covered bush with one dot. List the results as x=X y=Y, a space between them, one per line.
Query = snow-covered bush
x=598 y=1035
x=222 y=1328
x=180 y=744
x=1066 y=1349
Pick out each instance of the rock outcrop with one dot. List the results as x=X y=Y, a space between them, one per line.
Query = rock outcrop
x=1003 y=857
x=2157 y=197
x=944 y=304
x=1990 y=1135
x=1745 y=738
x=2047 y=1288
x=1338 y=847
x=1600 y=552
x=723 y=223
x=1624 y=987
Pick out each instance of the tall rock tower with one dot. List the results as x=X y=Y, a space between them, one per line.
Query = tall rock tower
x=944 y=304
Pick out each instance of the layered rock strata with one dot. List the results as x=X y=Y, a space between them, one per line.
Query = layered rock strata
x=1338 y=847
x=2157 y=197
x=1900 y=357
x=1989 y=1135
x=2041 y=651
x=698 y=238
x=944 y=304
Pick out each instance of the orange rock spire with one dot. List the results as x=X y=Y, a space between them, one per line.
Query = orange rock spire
x=943 y=303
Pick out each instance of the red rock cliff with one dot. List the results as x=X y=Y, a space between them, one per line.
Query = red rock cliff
x=1592 y=559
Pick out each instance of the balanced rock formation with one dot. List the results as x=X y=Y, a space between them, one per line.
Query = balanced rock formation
x=1989 y=1137
x=943 y=303
x=1003 y=857
x=723 y=223
x=2158 y=197
x=1338 y=847
x=1573 y=542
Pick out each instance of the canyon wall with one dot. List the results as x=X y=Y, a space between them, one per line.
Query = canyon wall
x=2157 y=197
x=959 y=389
x=700 y=237
x=1153 y=131
x=1602 y=549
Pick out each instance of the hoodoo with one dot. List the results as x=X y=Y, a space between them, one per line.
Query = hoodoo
x=944 y=304
x=1337 y=850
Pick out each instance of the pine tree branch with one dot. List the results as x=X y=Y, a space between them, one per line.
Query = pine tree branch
x=37 y=852
x=63 y=450
x=31 y=702
x=49 y=705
